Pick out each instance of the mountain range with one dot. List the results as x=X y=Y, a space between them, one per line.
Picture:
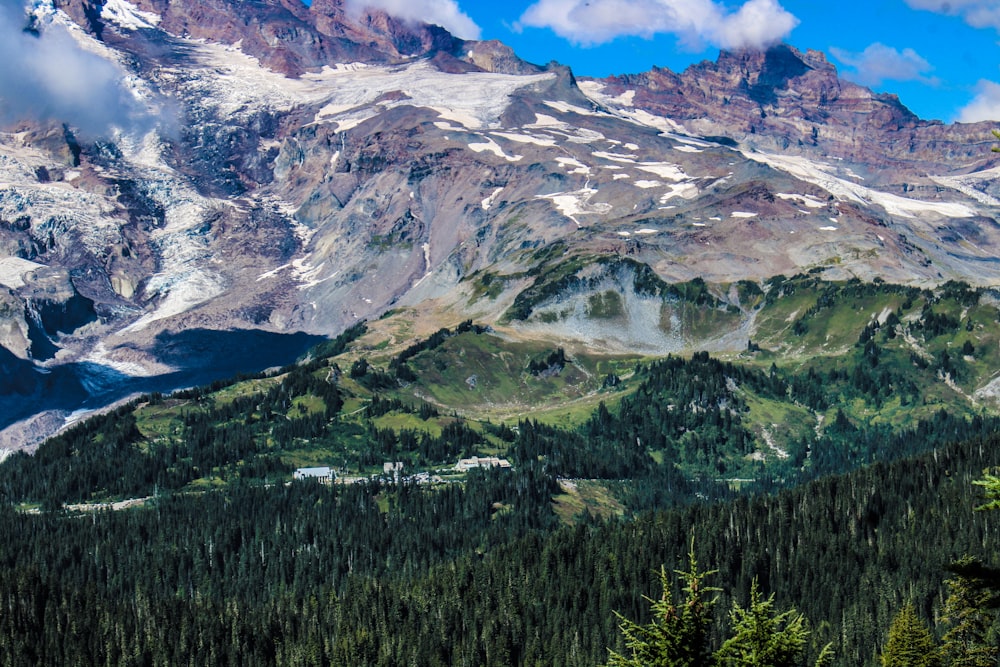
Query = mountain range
x=284 y=171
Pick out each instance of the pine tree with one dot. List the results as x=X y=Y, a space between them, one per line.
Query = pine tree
x=910 y=643
x=677 y=637
x=764 y=638
x=969 y=611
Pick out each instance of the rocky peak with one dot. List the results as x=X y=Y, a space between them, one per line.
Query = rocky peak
x=781 y=99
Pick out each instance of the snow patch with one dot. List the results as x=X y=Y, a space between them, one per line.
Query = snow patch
x=490 y=146
x=619 y=177
x=663 y=170
x=579 y=167
x=821 y=174
x=806 y=200
x=572 y=204
x=128 y=16
x=684 y=148
x=648 y=184
x=13 y=271
x=615 y=157
x=566 y=107
x=488 y=202
x=828 y=228
x=683 y=190
x=525 y=138
x=743 y=214
x=544 y=120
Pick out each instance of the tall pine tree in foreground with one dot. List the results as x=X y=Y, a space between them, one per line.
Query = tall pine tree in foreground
x=910 y=643
x=970 y=610
x=678 y=635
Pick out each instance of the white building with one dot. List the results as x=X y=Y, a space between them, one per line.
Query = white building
x=481 y=462
x=323 y=474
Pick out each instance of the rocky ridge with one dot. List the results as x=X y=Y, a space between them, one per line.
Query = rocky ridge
x=316 y=168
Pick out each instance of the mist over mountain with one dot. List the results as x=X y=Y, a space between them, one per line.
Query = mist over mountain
x=273 y=172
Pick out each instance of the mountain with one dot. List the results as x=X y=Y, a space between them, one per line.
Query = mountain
x=285 y=171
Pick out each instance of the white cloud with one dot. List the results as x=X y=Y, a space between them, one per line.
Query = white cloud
x=444 y=13
x=757 y=23
x=984 y=106
x=977 y=13
x=48 y=76
x=879 y=63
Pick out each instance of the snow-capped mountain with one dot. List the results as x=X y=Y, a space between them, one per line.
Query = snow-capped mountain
x=284 y=170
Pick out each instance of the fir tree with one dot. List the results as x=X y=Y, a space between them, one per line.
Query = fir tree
x=677 y=637
x=764 y=638
x=969 y=612
x=910 y=643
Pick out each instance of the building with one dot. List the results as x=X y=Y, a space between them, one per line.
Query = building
x=393 y=469
x=481 y=462
x=323 y=474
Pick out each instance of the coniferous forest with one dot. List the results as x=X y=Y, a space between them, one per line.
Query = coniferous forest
x=170 y=531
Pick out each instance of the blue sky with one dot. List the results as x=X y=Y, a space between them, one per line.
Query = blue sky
x=940 y=56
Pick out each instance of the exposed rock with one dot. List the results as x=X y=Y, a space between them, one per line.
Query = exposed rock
x=324 y=167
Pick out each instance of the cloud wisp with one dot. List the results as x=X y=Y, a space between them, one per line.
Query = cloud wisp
x=445 y=13
x=977 y=13
x=880 y=63
x=984 y=106
x=47 y=76
x=755 y=24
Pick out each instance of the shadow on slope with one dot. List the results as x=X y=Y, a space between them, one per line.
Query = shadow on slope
x=200 y=355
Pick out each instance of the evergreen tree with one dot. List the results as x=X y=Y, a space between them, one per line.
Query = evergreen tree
x=910 y=643
x=968 y=610
x=677 y=637
x=763 y=638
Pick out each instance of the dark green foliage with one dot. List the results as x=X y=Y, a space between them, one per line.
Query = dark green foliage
x=763 y=637
x=339 y=345
x=446 y=575
x=563 y=278
x=910 y=642
x=969 y=612
x=553 y=363
x=678 y=635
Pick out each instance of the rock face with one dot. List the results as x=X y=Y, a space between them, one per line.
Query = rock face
x=784 y=100
x=301 y=168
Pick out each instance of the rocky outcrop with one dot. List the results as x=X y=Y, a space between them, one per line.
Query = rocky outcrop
x=316 y=167
x=784 y=100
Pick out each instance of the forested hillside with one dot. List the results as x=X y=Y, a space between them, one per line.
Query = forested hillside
x=169 y=531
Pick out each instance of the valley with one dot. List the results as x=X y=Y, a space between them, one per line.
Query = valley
x=346 y=341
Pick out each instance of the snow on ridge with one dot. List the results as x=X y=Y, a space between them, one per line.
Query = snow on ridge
x=820 y=174
x=490 y=146
x=14 y=269
x=128 y=16
x=566 y=107
x=572 y=204
x=664 y=170
x=963 y=185
x=525 y=138
x=683 y=190
x=488 y=202
x=233 y=81
x=809 y=200
x=579 y=167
